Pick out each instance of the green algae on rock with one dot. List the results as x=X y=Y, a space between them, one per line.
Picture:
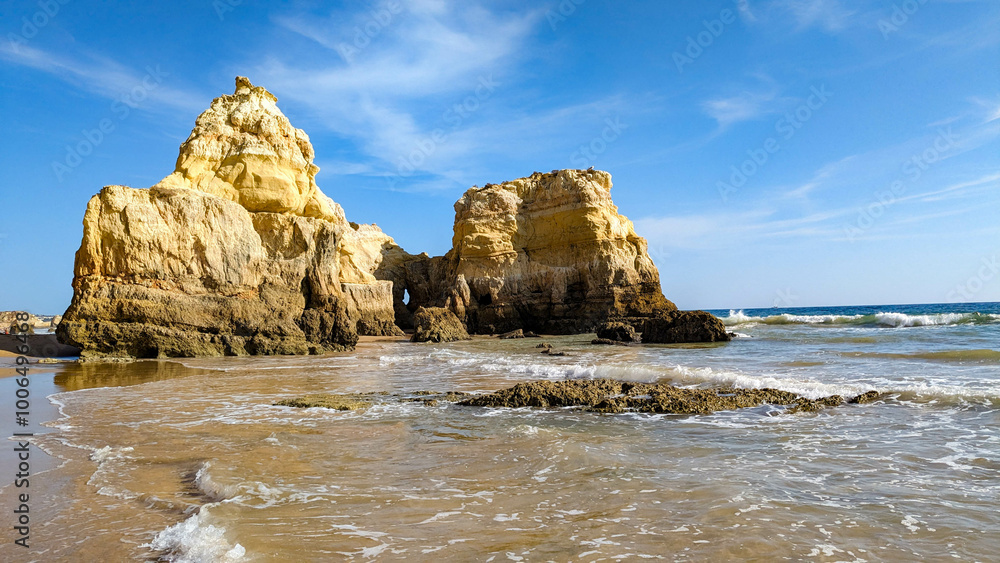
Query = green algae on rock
x=335 y=402
x=612 y=396
x=356 y=401
x=437 y=324
x=681 y=327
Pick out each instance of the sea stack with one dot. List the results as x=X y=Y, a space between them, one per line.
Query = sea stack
x=239 y=252
x=236 y=252
x=548 y=253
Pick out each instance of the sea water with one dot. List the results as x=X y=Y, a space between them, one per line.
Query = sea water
x=189 y=460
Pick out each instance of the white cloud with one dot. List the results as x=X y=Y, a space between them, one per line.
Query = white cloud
x=394 y=91
x=743 y=107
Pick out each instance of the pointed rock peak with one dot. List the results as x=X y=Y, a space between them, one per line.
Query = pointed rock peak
x=244 y=149
x=245 y=87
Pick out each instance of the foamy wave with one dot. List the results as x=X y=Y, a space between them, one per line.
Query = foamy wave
x=107 y=453
x=895 y=320
x=196 y=541
x=805 y=388
x=109 y=464
x=521 y=365
x=705 y=376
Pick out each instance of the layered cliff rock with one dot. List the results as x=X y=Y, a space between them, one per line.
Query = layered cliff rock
x=548 y=253
x=236 y=252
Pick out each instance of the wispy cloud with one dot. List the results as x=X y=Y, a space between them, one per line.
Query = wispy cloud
x=989 y=182
x=718 y=230
x=398 y=89
x=828 y=15
x=989 y=108
x=104 y=76
x=743 y=107
x=820 y=178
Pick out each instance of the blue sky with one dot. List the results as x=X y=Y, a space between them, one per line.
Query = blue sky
x=773 y=152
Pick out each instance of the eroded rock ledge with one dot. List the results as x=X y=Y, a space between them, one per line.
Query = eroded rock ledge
x=603 y=396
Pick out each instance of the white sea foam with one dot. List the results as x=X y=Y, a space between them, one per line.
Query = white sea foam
x=688 y=375
x=108 y=453
x=196 y=541
x=109 y=465
x=882 y=319
x=904 y=320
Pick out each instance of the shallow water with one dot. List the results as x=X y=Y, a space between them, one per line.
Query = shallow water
x=189 y=460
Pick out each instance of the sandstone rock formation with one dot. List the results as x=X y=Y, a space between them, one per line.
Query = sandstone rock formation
x=236 y=252
x=548 y=253
x=176 y=272
x=8 y=320
x=245 y=150
x=10 y=324
x=436 y=324
x=239 y=252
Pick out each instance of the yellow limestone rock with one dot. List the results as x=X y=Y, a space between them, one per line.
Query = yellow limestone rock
x=236 y=252
x=548 y=253
x=239 y=252
x=245 y=150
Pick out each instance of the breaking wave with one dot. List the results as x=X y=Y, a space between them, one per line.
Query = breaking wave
x=891 y=320
x=195 y=540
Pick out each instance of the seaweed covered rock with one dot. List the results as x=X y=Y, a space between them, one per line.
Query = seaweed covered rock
x=335 y=402
x=617 y=331
x=680 y=327
x=612 y=396
x=436 y=324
